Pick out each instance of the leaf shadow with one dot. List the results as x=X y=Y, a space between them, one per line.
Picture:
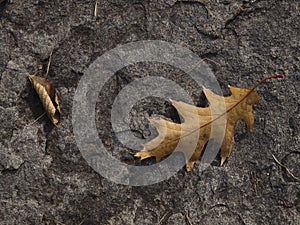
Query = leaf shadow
x=36 y=107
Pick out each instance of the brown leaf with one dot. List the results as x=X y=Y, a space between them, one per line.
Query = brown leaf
x=48 y=97
x=238 y=107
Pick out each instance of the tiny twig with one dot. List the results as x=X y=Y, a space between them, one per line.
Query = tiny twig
x=37 y=119
x=286 y=169
x=162 y=219
x=59 y=222
x=254 y=182
x=210 y=60
x=82 y=221
x=186 y=214
x=96 y=8
x=49 y=62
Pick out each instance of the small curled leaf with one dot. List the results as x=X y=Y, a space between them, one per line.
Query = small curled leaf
x=48 y=97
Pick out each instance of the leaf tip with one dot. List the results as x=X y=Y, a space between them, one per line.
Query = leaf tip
x=143 y=154
x=150 y=119
x=204 y=88
x=222 y=161
x=30 y=77
x=189 y=166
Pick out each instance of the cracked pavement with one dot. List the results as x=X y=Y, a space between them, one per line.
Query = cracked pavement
x=45 y=180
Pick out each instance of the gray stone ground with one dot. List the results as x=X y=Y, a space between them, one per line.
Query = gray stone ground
x=45 y=180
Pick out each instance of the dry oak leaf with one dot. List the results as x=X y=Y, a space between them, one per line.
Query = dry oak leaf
x=238 y=107
x=48 y=97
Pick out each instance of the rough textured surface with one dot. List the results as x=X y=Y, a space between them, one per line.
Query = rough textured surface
x=45 y=180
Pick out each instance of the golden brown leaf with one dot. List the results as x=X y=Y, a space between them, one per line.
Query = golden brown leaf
x=238 y=107
x=48 y=97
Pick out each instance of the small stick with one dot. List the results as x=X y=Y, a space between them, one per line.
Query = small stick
x=286 y=169
x=186 y=214
x=210 y=60
x=96 y=8
x=82 y=221
x=49 y=62
x=37 y=119
x=161 y=220
x=59 y=222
